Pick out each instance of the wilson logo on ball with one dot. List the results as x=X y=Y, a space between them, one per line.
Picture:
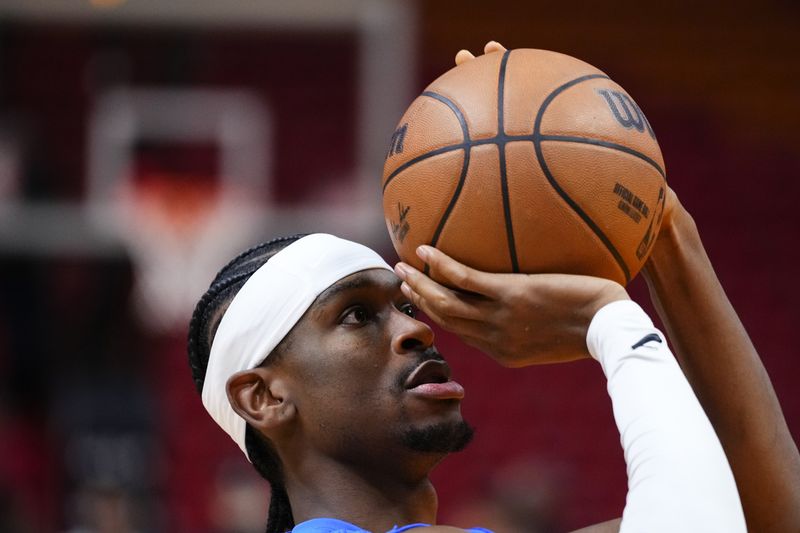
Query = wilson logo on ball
x=626 y=111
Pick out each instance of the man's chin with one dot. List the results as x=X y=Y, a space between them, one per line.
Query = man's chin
x=442 y=437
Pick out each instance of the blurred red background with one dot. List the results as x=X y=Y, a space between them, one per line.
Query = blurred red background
x=97 y=408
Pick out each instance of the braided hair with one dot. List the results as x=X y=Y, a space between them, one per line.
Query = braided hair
x=202 y=328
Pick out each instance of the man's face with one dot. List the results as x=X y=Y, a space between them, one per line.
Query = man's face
x=365 y=377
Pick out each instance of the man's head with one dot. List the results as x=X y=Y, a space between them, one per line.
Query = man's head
x=355 y=380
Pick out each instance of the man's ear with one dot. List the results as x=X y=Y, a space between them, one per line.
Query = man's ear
x=260 y=397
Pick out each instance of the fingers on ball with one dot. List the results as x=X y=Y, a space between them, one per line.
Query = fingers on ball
x=463 y=55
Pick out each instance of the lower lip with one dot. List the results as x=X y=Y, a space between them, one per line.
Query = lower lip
x=449 y=390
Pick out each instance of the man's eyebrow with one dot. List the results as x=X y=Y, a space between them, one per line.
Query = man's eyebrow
x=342 y=286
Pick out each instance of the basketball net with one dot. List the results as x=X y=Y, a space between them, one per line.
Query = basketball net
x=179 y=232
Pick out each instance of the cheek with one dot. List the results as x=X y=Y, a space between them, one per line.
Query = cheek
x=347 y=364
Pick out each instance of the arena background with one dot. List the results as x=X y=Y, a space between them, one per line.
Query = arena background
x=125 y=125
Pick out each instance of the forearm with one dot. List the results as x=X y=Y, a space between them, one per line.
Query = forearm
x=678 y=476
x=727 y=376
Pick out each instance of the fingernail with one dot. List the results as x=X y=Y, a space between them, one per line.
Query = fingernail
x=405 y=289
x=424 y=252
x=401 y=270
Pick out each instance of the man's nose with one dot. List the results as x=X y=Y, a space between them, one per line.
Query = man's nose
x=413 y=335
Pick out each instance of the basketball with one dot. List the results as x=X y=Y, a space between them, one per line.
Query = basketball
x=526 y=161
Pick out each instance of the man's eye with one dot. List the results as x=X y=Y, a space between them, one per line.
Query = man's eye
x=409 y=309
x=356 y=315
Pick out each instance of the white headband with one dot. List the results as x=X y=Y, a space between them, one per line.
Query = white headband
x=268 y=306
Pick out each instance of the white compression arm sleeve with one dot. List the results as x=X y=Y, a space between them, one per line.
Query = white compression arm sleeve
x=679 y=479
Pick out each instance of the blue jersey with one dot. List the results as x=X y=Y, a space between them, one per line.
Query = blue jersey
x=332 y=525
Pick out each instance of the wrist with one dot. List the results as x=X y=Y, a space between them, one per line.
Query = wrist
x=610 y=292
x=616 y=327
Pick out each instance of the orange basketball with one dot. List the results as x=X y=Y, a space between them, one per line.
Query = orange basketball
x=526 y=161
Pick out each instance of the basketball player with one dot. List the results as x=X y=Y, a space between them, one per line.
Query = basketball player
x=307 y=353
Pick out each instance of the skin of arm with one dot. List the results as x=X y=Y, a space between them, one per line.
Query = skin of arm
x=726 y=373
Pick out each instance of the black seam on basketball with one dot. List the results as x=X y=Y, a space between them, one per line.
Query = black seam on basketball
x=444 y=149
x=537 y=143
x=454 y=108
x=605 y=144
x=501 y=148
x=464 y=167
x=460 y=185
x=423 y=157
x=451 y=147
x=501 y=85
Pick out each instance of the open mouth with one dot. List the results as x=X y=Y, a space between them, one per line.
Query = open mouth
x=431 y=371
x=431 y=380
